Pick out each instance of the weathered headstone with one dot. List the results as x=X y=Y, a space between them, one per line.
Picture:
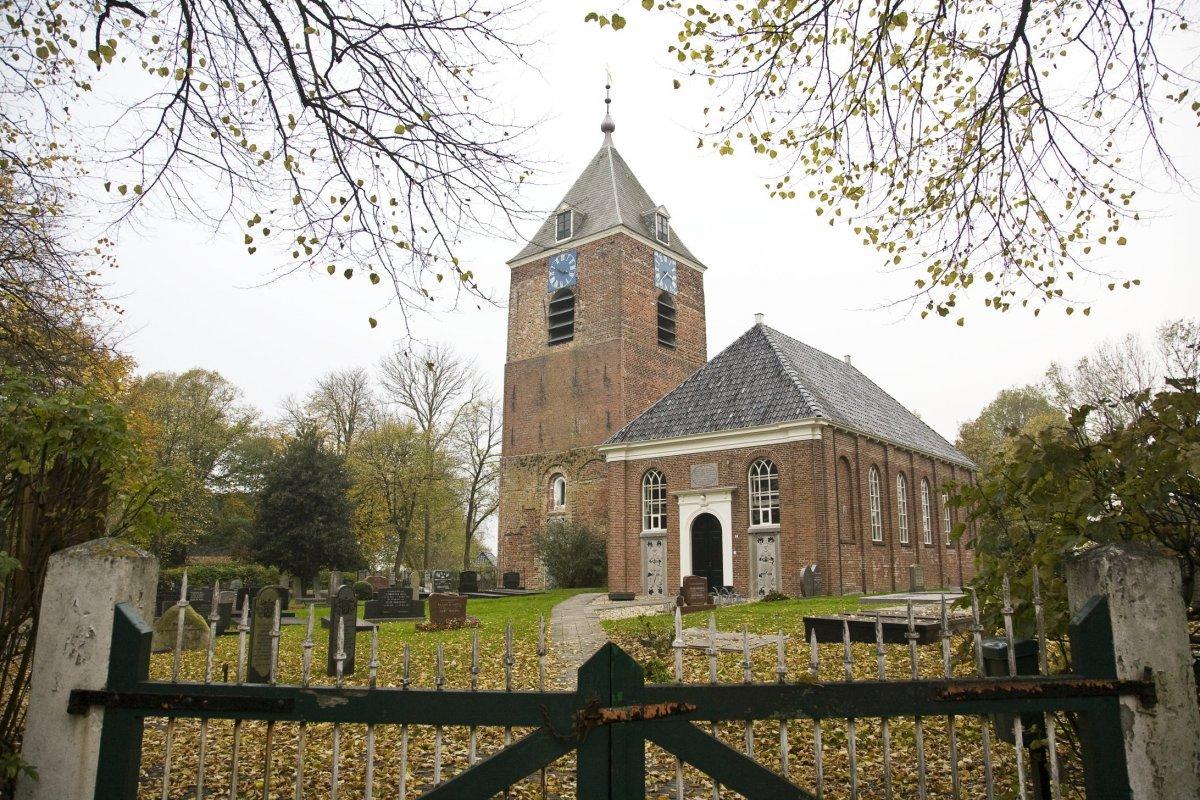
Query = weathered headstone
x=394 y=602
x=247 y=594
x=694 y=595
x=916 y=578
x=166 y=628
x=262 y=624
x=378 y=582
x=343 y=613
x=236 y=584
x=225 y=602
x=511 y=580
x=447 y=610
x=810 y=580
x=468 y=581
x=442 y=581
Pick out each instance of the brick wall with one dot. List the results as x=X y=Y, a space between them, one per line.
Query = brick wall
x=824 y=514
x=561 y=401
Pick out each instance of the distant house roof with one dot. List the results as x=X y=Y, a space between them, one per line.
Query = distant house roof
x=484 y=559
x=765 y=378
x=606 y=195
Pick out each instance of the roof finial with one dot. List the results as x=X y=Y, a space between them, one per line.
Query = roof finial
x=608 y=126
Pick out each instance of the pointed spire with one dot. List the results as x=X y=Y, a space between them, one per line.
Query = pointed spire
x=608 y=126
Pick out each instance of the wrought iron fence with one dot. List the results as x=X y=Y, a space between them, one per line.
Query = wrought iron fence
x=609 y=719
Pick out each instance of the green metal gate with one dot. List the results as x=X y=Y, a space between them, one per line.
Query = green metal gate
x=613 y=713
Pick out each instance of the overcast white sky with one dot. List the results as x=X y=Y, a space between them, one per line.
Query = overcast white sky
x=189 y=303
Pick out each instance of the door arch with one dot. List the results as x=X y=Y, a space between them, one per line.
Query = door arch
x=707 y=558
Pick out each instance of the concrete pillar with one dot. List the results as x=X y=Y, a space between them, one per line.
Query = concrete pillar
x=83 y=584
x=1149 y=625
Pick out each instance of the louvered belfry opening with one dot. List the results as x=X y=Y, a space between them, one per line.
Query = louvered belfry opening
x=666 y=320
x=562 y=316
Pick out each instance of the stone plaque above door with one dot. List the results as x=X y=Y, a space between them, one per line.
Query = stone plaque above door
x=704 y=476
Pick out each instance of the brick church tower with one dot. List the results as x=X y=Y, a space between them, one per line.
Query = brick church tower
x=606 y=315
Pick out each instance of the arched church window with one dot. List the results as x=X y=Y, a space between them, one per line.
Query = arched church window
x=874 y=490
x=558 y=493
x=926 y=523
x=654 y=501
x=902 y=506
x=666 y=320
x=764 y=493
x=561 y=318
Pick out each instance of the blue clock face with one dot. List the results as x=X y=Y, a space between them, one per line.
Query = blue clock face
x=665 y=276
x=562 y=271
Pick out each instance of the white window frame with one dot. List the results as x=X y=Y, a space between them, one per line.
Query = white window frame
x=654 y=501
x=902 y=506
x=926 y=521
x=558 y=493
x=763 y=483
x=947 y=522
x=570 y=226
x=876 y=498
x=662 y=228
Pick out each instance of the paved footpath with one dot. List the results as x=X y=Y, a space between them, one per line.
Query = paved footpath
x=576 y=633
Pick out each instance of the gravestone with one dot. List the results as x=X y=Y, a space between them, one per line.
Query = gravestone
x=442 y=581
x=378 y=582
x=511 y=580
x=247 y=594
x=225 y=603
x=447 y=610
x=694 y=595
x=164 y=600
x=916 y=578
x=262 y=622
x=166 y=628
x=394 y=602
x=810 y=580
x=343 y=613
x=468 y=581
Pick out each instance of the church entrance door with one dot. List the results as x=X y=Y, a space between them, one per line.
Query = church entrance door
x=706 y=550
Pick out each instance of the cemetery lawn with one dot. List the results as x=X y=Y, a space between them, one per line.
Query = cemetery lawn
x=773 y=617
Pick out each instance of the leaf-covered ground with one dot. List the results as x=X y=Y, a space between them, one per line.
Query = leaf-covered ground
x=647 y=640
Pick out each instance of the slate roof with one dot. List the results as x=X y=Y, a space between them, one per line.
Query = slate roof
x=608 y=195
x=766 y=377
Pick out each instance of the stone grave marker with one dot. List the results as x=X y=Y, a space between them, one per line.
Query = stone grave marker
x=166 y=627
x=262 y=621
x=394 y=602
x=468 y=581
x=246 y=594
x=225 y=602
x=343 y=612
x=447 y=610
x=694 y=595
x=916 y=578
x=511 y=580
x=442 y=581
x=810 y=580
x=378 y=582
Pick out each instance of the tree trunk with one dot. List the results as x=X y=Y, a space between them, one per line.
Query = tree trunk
x=428 y=525
x=467 y=535
x=401 y=546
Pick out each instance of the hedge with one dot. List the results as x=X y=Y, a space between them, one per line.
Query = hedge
x=206 y=574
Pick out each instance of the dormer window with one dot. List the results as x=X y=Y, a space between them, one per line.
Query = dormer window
x=563 y=225
x=662 y=228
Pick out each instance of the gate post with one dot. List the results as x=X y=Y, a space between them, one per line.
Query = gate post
x=74 y=643
x=1143 y=590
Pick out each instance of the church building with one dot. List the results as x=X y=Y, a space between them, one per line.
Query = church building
x=746 y=469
